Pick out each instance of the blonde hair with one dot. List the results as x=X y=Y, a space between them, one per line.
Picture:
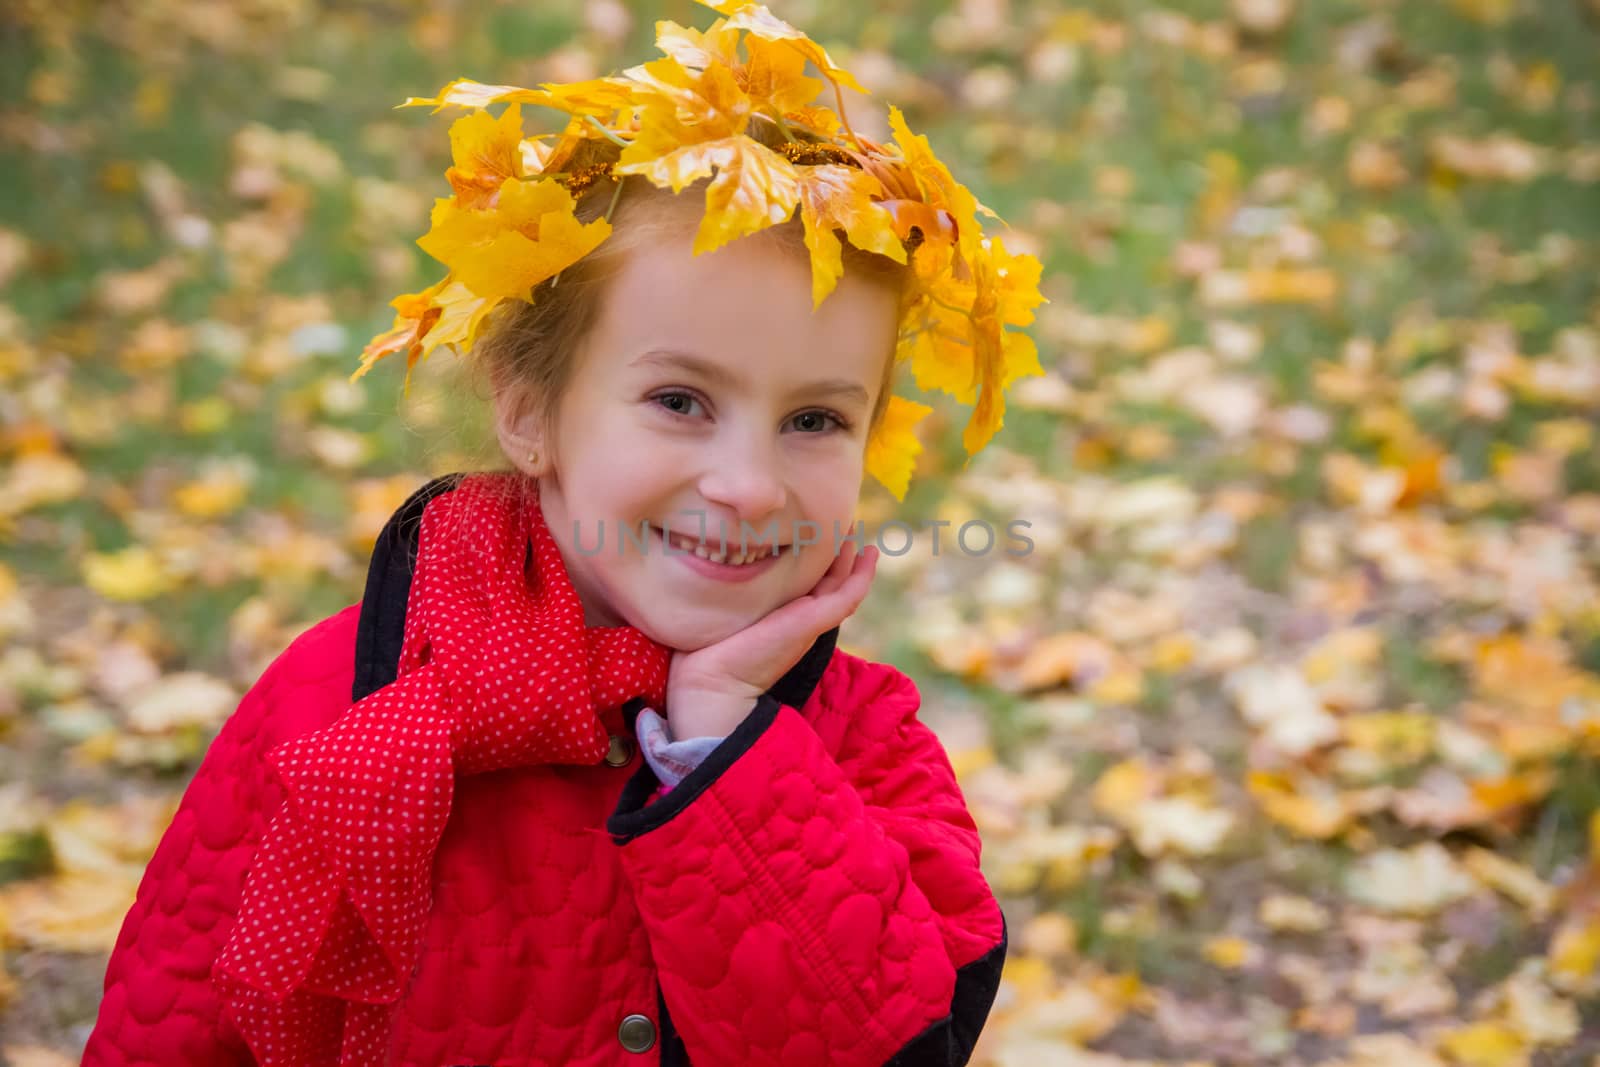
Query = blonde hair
x=532 y=346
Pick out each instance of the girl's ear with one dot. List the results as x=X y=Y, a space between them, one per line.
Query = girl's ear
x=520 y=431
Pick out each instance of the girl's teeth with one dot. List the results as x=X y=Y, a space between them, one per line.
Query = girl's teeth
x=730 y=556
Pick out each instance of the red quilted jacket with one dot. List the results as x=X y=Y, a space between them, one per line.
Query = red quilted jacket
x=810 y=894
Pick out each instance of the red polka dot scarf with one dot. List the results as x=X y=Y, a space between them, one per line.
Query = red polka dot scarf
x=497 y=670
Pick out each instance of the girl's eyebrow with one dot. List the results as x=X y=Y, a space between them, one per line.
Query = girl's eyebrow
x=716 y=372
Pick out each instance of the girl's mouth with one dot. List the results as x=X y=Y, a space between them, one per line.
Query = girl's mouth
x=726 y=562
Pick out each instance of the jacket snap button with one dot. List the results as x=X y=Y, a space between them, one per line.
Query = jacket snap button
x=620 y=752
x=637 y=1033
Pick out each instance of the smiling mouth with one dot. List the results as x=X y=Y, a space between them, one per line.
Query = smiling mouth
x=732 y=555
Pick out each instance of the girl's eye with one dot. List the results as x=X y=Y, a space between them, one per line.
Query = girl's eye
x=819 y=422
x=682 y=403
x=679 y=403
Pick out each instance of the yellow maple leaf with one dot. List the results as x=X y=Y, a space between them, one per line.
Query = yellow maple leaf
x=1000 y=356
x=1017 y=277
x=1291 y=285
x=753 y=188
x=486 y=151
x=893 y=448
x=1529 y=674
x=683 y=106
x=461 y=319
x=833 y=197
x=74 y=913
x=1305 y=805
x=774 y=78
x=1069 y=658
x=597 y=96
x=1396 y=738
x=528 y=236
x=415 y=315
x=935 y=228
x=1485 y=1044
x=220 y=492
x=445 y=313
x=38 y=478
x=1124 y=786
x=1230 y=953
x=764 y=24
x=975 y=359
x=717 y=43
x=938 y=189
x=1521 y=884
x=134 y=573
x=693 y=128
x=1518 y=789
x=464 y=92
x=937 y=185
x=1490 y=12
x=1574 y=952
x=936 y=347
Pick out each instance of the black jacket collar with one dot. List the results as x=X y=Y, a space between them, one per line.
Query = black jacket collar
x=381 y=628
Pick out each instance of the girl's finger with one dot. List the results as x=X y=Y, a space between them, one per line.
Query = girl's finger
x=843 y=600
x=829 y=603
x=844 y=558
x=860 y=580
x=798 y=623
x=837 y=571
x=843 y=565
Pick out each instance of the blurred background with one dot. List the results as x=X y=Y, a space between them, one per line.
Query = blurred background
x=1283 y=740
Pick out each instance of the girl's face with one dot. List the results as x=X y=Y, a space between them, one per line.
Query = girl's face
x=708 y=393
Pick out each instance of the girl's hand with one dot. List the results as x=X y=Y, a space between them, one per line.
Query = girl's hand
x=711 y=690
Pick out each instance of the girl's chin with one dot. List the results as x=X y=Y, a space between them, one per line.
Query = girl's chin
x=689 y=631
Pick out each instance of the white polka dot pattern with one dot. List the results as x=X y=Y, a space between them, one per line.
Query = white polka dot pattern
x=497 y=670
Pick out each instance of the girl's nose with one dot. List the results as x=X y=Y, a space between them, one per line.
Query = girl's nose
x=747 y=481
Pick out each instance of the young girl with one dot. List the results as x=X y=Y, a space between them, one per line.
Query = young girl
x=429 y=835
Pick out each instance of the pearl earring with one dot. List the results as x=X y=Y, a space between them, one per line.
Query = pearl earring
x=533 y=459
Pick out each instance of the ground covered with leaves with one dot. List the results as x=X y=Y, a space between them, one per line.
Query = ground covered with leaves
x=1284 y=738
